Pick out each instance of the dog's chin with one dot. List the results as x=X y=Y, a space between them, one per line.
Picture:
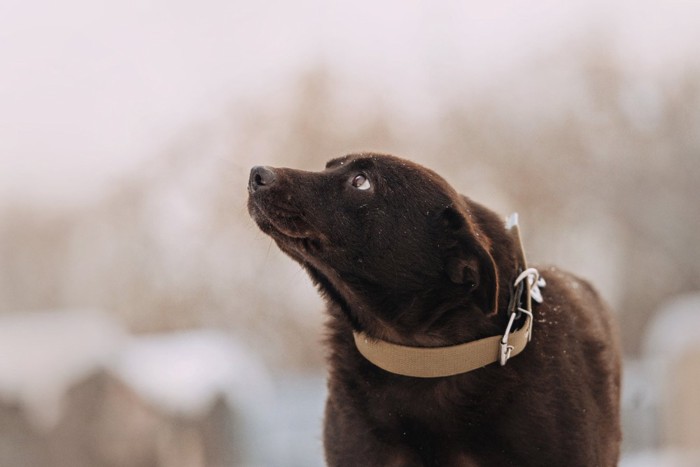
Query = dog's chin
x=290 y=232
x=299 y=245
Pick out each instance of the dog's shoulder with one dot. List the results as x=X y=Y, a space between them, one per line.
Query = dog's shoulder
x=574 y=320
x=567 y=294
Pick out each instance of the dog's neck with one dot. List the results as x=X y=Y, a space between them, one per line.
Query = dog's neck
x=442 y=314
x=429 y=361
x=445 y=314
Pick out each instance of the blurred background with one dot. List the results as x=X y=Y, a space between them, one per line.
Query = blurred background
x=144 y=319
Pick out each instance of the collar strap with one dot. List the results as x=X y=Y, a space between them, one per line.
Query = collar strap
x=433 y=362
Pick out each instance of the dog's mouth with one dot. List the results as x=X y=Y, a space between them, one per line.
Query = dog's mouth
x=288 y=227
x=269 y=204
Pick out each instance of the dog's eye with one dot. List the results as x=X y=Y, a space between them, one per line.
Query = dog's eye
x=361 y=182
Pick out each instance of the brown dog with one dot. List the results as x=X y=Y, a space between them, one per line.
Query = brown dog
x=402 y=258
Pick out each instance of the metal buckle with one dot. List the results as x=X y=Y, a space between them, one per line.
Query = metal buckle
x=529 y=282
x=516 y=297
x=505 y=349
x=529 y=323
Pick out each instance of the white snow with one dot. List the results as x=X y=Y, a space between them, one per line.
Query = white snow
x=42 y=354
x=185 y=372
x=661 y=458
x=674 y=329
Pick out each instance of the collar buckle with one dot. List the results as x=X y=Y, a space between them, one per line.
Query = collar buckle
x=505 y=350
x=434 y=362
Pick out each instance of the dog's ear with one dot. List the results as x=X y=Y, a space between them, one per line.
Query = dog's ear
x=469 y=262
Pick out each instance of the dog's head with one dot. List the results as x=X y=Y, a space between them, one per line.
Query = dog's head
x=387 y=231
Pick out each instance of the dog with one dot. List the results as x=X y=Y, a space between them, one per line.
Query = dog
x=417 y=276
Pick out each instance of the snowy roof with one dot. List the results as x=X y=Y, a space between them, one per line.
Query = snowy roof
x=44 y=354
x=186 y=372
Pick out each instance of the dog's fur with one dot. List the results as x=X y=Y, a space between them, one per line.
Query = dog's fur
x=410 y=261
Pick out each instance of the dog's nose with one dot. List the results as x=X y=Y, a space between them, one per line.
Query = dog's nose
x=261 y=177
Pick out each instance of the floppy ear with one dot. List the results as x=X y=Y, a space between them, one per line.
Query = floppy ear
x=469 y=263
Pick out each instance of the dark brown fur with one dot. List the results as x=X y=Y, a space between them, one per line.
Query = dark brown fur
x=411 y=261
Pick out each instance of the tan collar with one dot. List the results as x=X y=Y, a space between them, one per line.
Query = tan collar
x=433 y=362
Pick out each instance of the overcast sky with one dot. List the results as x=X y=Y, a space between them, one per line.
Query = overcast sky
x=90 y=88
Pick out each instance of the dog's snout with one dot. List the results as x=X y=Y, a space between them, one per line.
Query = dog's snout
x=261 y=177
